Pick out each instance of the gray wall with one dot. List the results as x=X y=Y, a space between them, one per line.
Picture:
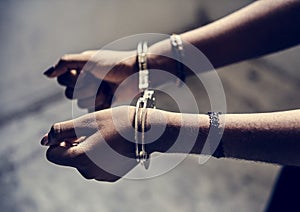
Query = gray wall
x=34 y=34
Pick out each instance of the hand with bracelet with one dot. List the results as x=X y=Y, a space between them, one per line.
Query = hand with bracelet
x=268 y=137
x=245 y=34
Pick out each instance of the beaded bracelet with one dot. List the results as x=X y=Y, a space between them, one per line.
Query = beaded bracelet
x=177 y=49
x=214 y=122
x=146 y=100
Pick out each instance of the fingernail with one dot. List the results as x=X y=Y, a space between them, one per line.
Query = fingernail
x=73 y=72
x=44 y=140
x=49 y=71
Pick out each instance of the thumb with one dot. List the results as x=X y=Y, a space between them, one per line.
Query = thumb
x=70 y=130
x=67 y=62
x=59 y=132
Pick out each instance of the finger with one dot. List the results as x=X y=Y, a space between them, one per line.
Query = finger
x=67 y=141
x=102 y=101
x=92 y=102
x=83 y=126
x=67 y=62
x=86 y=173
x=103 y=106
x=108 y=178
x=69 y=92
x=76 y=79
x=49 y=71
x=86 y=91
x=107 y=90
x=70 y=142
x=91 y=88
x=68 y=79
x=86 y=86
x=44 y=140
x=84 y=78
x=60 y=132
x=81 y=93
x=65 y=156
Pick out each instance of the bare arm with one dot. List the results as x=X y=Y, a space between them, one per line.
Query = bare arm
x=263 y=27
x=268 y=137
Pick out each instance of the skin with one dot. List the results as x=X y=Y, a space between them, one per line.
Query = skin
x=68 y=147
x=70 y=73
x=263 y=27
x=266 y=137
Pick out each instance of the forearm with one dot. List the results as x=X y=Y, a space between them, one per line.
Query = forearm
x=263 y=27
x=268 y=137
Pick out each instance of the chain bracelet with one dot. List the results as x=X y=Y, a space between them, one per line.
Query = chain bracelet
x=178 y=51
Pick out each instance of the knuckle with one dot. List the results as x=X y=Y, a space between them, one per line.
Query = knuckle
x=52 y=156
x=110 y=179
x=61 y=81
x=99 y=107
x=87 y=52
x=49 y=155
x=113 y=179
x=56 y=128
x=55 y=131
x=58 y=156
x=86 y=174
x=65 y=58
x=69 y=93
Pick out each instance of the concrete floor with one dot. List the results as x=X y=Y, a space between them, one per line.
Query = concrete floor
x=35 y=33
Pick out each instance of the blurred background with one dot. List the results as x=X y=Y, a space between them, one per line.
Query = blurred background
x=35 y=33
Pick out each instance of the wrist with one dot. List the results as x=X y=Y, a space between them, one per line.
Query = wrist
x=162 y=128
x=195 y=128
x=160 y=57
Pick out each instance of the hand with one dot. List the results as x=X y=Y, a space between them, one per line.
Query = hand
x=98 y=146
x=82 y=73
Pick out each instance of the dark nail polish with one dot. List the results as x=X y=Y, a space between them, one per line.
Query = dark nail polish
x=49 y=71
x=44 y=141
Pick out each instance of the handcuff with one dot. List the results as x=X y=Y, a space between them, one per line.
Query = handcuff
x=146 y=100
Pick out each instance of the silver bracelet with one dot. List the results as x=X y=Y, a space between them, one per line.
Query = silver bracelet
x=178 y=51
x=214 y=123
x=146 y=100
